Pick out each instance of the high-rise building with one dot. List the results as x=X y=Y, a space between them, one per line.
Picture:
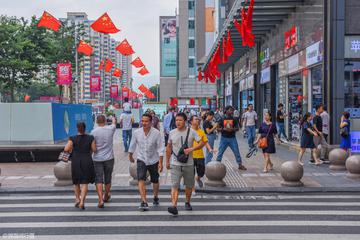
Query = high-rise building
x=168 y=57
x=104 y=47
x=196 y=26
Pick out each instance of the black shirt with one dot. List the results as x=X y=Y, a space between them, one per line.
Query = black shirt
x=207 y=124
x=278 y=115
x=318 y=122
x=228 y=122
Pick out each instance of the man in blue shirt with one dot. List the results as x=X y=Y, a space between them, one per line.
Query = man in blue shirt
x=169 y=123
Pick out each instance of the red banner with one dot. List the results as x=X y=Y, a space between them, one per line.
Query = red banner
x=95 y=84
x=125 y=92
x=114 y=91
x=63 y=71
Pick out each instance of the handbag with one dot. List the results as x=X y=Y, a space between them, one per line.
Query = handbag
x=64 y=156
x=344 y=132
x=263 y=142
x=181 y=156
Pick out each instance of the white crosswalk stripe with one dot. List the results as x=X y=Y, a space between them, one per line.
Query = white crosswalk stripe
x=278 y=216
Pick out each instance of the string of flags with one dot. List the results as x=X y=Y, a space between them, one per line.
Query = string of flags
x=225 y=49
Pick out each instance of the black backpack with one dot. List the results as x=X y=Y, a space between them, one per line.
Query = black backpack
x=181 y=156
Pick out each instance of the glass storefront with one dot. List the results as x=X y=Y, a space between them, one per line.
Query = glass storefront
x=316 y=86
x=352 y=88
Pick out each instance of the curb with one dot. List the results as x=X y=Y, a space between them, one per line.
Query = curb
x=208 y=190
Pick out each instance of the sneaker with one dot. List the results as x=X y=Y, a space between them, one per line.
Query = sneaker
x=173 y=211
x=144 y=207
x=242 y=167
x=326 y=161
x=200 y=183
x=188 y=207
x=156 y=201
x=312 y=162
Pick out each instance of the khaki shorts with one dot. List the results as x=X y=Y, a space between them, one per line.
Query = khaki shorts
x=186 y=172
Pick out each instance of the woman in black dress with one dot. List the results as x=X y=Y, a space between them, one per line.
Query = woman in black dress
x=307 y=139
x=268 y=130
x=82 y=166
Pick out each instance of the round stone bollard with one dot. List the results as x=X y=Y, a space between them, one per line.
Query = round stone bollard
x=215 y=172
x=353 y=166
x=133 y=174
x=337 y=158
x=62 y=172
x=292 y=172
x=328 y=149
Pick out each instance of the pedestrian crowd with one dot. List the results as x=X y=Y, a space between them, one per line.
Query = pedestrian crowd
x=187 y=144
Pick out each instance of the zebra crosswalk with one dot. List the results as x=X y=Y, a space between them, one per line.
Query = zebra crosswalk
x=214 y=216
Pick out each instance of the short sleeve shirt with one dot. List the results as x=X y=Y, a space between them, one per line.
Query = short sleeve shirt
x=280 y=114
x=104 y=143
x=228 y=122
x=126 y=121
x=200 y=153
x=250 y=118
x=175 y=141
x=318 y=123
x=207 y=124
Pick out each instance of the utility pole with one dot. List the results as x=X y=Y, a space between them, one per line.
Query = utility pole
x=76 y=69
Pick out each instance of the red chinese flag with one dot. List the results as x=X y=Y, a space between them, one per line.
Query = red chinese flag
x=114 y=91
x=150 y=95
x=84 y=48
x=50 y=22
x=125 y=48
x=104 y=24
x=101 y=66
x=143 y=89
x=143 y=71
x=137 y=63
x=229 y=47
x=200 y=76
x=108 y=65
x=117 y=72
x=192 y=101
x=225 y=58
x=215 y=61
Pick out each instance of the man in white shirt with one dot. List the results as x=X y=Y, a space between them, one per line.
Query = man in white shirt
x=126 y=121
x=103 y=158
x=147 y=140
x=249 y=122
x=127 y=106
x=326 y=123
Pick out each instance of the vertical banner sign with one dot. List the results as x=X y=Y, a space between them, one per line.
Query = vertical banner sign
x=95 y=84
x=63 y=72
x=168 y=47
x=114 y=91
x=291 y=37
x=125 y=92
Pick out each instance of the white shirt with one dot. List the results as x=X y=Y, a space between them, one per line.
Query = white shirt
x=326 y=121
x=126 y=121
x=150 y=147
x=127 y=107
x=104 y=143
x=250 y=118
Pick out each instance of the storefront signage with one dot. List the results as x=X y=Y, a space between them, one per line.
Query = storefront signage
x=265 y=55
x=291 y=37
x=293 y=63
x=355 y=141
x=246 y=83
x=352 y=46
x=228 y=87
x=313 y=54
x=265 y=75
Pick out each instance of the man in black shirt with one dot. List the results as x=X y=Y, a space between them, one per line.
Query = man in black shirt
x=280 y=120
x=210 y=130
x=229 y=126
x=318 y=126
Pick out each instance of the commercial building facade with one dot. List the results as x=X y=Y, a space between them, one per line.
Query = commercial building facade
x=306 y=53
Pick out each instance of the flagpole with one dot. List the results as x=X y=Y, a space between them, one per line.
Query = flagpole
x=76 y=70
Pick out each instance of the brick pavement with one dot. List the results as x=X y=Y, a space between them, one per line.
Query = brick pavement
x=29 y=175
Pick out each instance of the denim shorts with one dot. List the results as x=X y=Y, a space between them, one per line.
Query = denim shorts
x=103 y=171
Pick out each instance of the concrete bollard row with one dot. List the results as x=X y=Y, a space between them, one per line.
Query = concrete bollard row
x=353 y=166
x=133 y=174
x=292 y=172
x=62 y=172
x=215 y=173
x=337 y=158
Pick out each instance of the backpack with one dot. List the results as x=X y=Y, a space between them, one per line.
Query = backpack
x=181 y=156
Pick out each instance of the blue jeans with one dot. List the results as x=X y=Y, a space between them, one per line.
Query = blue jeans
x=126 y=136
x=281 y=129
x=233 y=144
x=211 y=141
x=250 y=130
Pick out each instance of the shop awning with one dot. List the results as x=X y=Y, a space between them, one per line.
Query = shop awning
x=266 y=16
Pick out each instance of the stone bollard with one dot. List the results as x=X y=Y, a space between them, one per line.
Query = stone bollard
x=133 y=174
x=215 y=172
x=62 y=172
x=328 y=149
x=337 y=158
x=292 y=172
x=353 y=166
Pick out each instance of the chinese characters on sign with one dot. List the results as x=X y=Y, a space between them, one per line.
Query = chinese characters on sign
x=291 y=37
x=63 y=72
x=355 y=45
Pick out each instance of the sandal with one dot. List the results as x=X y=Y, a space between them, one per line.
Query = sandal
x=107 y=197
x=82 y=206
x=319 y=163
x=271 y=166
x=101 y=205
x=265 y=171
x=77 y=204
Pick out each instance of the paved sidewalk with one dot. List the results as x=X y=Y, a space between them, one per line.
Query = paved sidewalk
x=40 y=175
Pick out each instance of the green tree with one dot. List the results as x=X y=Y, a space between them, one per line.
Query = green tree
x=156 y=91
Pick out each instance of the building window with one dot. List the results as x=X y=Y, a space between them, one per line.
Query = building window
x=191 y=63
x=191 y=5
x=191 y=43
x=191 y=24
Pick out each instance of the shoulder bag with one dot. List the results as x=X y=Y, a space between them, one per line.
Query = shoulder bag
x=263 y=142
